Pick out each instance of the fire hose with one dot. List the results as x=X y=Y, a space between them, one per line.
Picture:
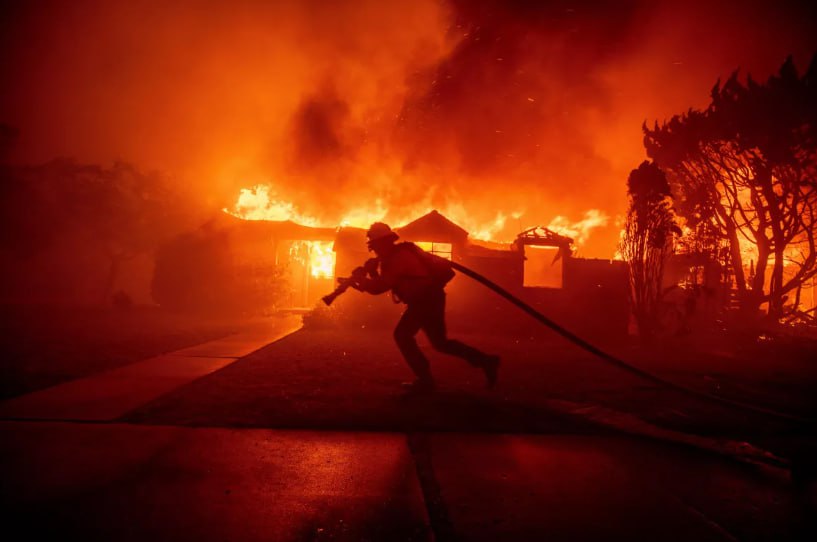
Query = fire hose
x=345 y=283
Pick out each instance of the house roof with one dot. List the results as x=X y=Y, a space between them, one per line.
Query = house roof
x=543 y=237
x=433 y=227
x=285 y=230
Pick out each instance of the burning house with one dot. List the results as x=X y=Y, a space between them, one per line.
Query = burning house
x=245 y=265
x=539 y=266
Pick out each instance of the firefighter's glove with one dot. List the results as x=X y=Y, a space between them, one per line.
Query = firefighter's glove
x=358 y=277
x=353 y=282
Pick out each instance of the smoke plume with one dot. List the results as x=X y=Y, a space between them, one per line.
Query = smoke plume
x=511 y=110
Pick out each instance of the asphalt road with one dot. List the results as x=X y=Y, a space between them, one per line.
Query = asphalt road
x=308 y=439
x=71 y=481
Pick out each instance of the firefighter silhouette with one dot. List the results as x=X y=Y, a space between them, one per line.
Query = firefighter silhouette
x=417 y=279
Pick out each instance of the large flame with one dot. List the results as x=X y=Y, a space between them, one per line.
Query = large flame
x=261 y=202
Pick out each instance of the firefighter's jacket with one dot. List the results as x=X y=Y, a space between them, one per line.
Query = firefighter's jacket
x=404 y=273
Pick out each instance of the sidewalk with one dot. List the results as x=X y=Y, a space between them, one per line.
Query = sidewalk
x=111 y=394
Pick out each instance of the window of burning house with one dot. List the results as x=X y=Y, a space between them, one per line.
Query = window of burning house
x=316 y=257
x=543 y=268
x=443 y=250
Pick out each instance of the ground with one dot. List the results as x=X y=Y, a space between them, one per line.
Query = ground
x=309 y=438
x=339 y=378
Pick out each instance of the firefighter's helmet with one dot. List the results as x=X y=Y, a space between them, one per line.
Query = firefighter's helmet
x=380 y=232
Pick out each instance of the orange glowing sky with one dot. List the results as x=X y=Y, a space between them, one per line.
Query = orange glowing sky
x=530 y=109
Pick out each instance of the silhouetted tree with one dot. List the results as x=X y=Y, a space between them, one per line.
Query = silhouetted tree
x=128 y=212
x=746 y=166
x=76 y=219
x=647 y=242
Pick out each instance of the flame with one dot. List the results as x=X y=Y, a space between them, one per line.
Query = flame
x=579 y=231
x=321 y=259
x=260 y=202
x=317 y=256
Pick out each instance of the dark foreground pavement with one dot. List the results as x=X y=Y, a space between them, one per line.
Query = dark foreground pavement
x=120 y=482
x=307 y=439
x=71 y=481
